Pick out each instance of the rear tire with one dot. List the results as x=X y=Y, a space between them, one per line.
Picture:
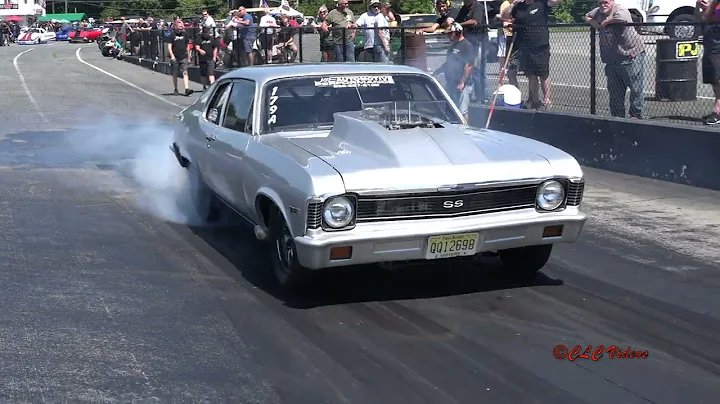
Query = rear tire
x=287 y=271
x=526 y=261
x=203 y=199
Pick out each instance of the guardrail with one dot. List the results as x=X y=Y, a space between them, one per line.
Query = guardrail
x=668 y=76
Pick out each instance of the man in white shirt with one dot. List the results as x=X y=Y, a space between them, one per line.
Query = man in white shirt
x=208 y=21
x=377 y=41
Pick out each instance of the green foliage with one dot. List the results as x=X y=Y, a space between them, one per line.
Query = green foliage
x=109 y=13
x=563 y=12
x=413 y=6
x=186 y=8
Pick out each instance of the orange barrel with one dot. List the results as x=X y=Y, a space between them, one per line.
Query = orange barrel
x=415 y=53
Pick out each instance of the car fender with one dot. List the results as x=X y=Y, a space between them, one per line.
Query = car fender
x=277 y=200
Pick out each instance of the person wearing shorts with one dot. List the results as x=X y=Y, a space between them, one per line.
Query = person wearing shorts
x=505 y=40
x=710 y=14
x=179 y=56
x=532 y=38
x=206 y=46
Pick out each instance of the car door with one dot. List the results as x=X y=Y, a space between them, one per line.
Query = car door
x=200 y=140
x=228 y=157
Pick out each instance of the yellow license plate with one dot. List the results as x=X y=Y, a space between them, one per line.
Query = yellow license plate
x=454 y=245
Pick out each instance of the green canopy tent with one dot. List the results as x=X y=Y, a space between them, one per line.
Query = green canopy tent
x=72 y=17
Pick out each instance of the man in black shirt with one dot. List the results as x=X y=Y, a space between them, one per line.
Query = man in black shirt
x=532 y=38
x=458 y=68
x=206 y=46
x=179 y=56
x=286 y=38
x=446 y=16
x=475 y=17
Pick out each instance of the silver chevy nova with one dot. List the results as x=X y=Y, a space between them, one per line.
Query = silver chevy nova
x=345 y=164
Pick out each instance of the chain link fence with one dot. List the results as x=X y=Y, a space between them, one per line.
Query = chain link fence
x=667 y=75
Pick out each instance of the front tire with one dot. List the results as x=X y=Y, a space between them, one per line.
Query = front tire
x=287 y=271
x=526 y=261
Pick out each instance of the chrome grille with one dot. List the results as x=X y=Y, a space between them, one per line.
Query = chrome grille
x=433 y=205
x=314 y=215
x=575 y=193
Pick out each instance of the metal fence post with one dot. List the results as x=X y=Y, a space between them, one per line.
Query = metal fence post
x=402 y=46
x=593 y=71
x=300 y=45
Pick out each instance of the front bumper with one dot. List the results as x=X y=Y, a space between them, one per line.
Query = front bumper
x=407 y=240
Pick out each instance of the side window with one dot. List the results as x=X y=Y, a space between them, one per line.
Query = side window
x=240 y=106
x=214 y=112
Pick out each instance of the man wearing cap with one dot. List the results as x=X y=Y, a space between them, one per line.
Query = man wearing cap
x=458 y=68
x=377 y=42
x=446 y=16
x=339 y=21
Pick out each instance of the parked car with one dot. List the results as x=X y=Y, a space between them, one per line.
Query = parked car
x=85 y=35
x=34 y=36
x=345 y=164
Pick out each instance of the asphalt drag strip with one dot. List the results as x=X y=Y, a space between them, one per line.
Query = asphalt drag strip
x=114 y=292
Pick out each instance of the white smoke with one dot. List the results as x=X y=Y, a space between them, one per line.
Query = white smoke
x=140 y=150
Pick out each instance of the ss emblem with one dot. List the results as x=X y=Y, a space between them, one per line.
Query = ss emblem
x=453 y=204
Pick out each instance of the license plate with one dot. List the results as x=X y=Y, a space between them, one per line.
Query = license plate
x=454 y=245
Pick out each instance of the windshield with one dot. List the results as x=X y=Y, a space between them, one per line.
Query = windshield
x=310 y=102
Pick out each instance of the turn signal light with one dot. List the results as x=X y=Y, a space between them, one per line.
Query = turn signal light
x=553 y=231
x=340 y=253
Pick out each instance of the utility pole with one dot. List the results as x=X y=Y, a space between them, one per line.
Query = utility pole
x=66 y=8
x=53 y=7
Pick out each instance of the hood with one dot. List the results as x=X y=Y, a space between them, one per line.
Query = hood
x=371 y=157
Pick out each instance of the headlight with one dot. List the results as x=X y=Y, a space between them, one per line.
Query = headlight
x=550 y=195
x=338 y=212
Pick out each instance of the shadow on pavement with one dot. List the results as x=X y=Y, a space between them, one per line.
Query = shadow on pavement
x=358 y=284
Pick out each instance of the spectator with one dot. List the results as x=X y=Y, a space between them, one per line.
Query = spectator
x=377 y=41
x=458 y=68
x=206 y=46
x=473 y=16
x=532 y=38
x=623 y=52
x=286 y=38
x=179 y=56
x=389 y=14
x=242 y=24
x=123 y=33
x=267 y=31
x=208 y=21
x=505 y=40
x=339 y=20
x=446 y=16
x=711 y=54
x=327 y=48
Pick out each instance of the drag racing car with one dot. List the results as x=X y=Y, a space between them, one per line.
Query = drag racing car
x=85 y=35
x=346 y=164
x=34 y=36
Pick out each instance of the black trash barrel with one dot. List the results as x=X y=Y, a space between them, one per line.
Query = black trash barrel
x=676 y=72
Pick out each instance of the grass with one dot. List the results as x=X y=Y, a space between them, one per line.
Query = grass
x=570 y=29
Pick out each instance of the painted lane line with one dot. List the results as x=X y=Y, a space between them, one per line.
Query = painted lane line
x=157 y=97
x=33 y=101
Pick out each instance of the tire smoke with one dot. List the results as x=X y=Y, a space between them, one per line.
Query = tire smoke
x=140 y=152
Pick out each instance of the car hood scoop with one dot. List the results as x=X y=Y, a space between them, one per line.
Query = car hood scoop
x=372 y=156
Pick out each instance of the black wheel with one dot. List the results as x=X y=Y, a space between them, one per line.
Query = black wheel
x=288 y=272
x=101 y=45
x=105 y=52
x=526 y=261
x=203 y=199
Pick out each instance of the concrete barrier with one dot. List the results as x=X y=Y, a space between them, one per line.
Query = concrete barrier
x=680 y=154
